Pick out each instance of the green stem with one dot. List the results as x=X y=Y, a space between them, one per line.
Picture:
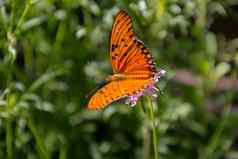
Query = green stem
x=9 y=132
x=12 y=54
x=13 y=3
x=145 y=131
x=25 y=11
x=58 y=42
x=155 y=140
x=9 y=139
x=62 y=154
x=40 y=145
x=3 y=18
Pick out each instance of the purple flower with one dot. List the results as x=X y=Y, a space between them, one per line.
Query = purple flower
x=151 y=90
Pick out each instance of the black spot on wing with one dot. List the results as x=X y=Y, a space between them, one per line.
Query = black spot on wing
x=125 y=53
x=143 y=49
x=114 y=46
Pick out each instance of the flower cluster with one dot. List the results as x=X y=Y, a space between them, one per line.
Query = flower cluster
x=151 y=90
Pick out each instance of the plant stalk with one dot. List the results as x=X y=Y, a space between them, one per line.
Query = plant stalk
x=155 y=139
x=40 y=145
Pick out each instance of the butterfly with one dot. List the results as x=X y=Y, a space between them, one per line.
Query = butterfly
x=133 y=67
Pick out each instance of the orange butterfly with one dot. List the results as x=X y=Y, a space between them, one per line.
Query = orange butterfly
x=134 y=70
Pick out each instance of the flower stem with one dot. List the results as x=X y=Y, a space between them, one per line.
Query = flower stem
x=155 y=139
x=9 y=139
x=9 y=130
x=62 y=154
x=24 y=13
x=39 y=141
x=145 y=131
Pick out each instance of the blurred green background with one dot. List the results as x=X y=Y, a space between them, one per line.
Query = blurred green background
x=54 y=52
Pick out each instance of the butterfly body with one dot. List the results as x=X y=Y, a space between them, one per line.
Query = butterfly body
x=116 y=77
x=132 y=64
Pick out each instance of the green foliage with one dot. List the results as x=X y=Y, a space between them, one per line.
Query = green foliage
x=52 y=53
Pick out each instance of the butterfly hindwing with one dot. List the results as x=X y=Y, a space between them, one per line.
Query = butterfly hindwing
x=116 y=90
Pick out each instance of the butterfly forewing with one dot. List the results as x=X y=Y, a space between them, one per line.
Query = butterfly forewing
x=138 y=60
x=120 y=38
x=128 y=54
